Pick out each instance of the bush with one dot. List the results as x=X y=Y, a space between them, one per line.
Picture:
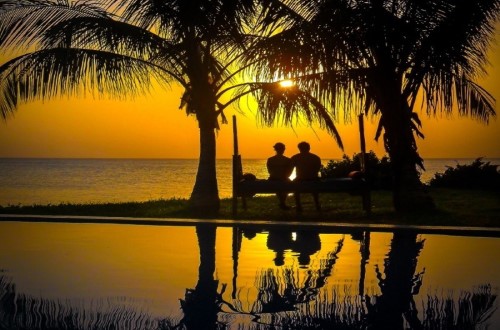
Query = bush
x=477 y=175
x=378 y=172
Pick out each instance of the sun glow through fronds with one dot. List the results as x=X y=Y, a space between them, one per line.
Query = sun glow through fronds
x=287 y=83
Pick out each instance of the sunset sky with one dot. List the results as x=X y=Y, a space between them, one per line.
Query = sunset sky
x=153 y=127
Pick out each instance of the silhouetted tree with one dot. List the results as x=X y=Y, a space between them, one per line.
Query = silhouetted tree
x=380 y=57
x=119 y=47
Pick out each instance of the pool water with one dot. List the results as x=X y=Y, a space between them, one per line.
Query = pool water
x=103 y=276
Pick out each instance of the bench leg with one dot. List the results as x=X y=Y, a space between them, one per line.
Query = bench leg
x=367 y=201
x=244 y=202
x=234 y=206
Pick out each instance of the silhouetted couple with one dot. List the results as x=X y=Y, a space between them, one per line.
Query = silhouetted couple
x=306 y=164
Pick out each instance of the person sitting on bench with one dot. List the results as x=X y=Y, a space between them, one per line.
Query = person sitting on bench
x=280 y=168
x=307 y=166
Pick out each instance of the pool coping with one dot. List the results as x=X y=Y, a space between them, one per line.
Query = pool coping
x=327 y=226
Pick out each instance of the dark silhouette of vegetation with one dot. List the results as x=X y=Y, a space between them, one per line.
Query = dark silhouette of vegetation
x=473 y=310
x=477 y=175
x=21 y=311
x=378 y=170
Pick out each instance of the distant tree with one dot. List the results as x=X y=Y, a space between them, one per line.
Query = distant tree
x=380 y=57
x=119 y=48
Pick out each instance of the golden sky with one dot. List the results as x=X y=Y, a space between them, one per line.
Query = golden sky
x=152 y=126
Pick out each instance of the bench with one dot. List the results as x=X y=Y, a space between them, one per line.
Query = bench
x=244 y=188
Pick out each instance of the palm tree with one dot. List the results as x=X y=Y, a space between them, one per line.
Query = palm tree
x=381 y=57
x=121 y=47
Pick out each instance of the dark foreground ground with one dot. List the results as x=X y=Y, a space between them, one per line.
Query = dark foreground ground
x=458 y=208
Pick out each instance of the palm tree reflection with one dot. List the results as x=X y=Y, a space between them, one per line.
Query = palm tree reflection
x=395 y=303
x=202 y=304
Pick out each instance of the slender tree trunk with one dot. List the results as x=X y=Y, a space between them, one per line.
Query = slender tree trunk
x=204 y=199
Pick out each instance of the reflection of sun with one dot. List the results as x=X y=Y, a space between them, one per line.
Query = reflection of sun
x=286 y=83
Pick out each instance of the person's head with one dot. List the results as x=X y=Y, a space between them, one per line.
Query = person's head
x=304 y=146
x=279 y=147
x=304 y=259
x=279 y=260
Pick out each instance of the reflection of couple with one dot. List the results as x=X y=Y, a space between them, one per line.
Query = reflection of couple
x=305 y=243
x=306 y=164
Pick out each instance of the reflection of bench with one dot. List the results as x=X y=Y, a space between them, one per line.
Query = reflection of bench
x=244 y=188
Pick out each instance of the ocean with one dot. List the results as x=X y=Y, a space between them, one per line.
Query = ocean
x=28 y=181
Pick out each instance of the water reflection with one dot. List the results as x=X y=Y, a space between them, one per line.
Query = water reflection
x=297 y=288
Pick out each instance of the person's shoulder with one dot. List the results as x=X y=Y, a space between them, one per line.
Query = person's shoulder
x=314 y=156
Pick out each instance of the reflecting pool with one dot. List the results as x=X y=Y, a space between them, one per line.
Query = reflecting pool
x=105 y=276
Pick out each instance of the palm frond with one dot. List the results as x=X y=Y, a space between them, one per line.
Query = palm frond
x=290 y=106
x=22 y=23
x=61 y=71
x=450 y=55
x=442 y=91
x=110 y=35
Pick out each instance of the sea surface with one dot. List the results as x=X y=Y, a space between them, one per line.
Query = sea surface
x=30 y=181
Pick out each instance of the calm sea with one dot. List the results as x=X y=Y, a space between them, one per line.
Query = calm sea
x=43 y=181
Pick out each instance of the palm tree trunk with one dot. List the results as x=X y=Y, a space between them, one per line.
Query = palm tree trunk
x=204 y=199
x=409 y=193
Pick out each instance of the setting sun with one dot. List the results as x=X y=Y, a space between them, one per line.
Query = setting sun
x=286 y=83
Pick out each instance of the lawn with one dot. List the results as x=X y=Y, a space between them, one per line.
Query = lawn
x=463 y=208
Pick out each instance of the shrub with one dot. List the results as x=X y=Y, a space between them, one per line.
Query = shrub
x=378 y=171
x=477 y=175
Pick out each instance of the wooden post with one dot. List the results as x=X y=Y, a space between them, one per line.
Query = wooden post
x=236 y=167
x=362 y=142
x=364 y=168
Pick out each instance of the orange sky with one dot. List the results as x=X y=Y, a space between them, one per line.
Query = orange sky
x=153 y=127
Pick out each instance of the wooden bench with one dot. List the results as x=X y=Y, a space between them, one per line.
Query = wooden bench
x=244 y=188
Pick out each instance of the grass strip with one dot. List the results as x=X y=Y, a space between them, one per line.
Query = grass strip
x=467 y=208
